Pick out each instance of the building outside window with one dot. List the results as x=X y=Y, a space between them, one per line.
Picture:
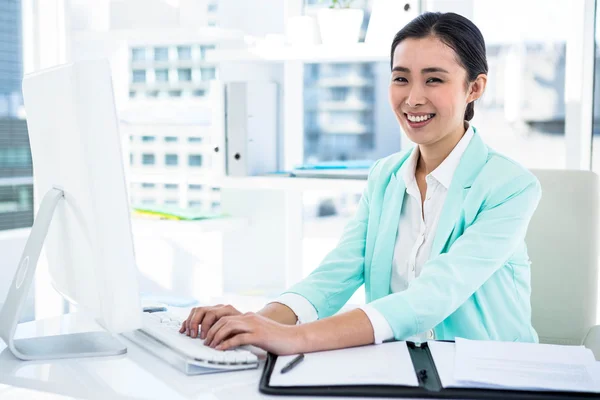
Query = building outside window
x=171 y=139
x=184 y=74
x=148 y=139
x=184 y=53
x=148 y=159
x=195 y=160
x=193 y=186
x=139 y=76
x=161 y=75
x=161 y=54
x=204 y=49
x=171 y=159
x=138 y=54
x=207 y=74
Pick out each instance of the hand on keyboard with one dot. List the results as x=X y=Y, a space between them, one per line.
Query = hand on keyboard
x=164 y=327
x=206 y=317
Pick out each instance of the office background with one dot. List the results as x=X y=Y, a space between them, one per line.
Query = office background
x=540 y=108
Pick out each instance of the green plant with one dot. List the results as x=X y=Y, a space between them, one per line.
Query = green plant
x=340 y=3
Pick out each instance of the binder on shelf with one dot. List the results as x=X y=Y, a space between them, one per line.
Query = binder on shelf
x=429 y=384
x=251 y=126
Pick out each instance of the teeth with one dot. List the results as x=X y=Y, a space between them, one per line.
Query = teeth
x=420 y=118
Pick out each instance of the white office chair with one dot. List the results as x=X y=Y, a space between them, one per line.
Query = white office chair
x=592 y=341
x=563 y=245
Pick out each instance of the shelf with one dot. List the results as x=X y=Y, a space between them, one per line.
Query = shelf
x=359 y=52
x=293 y=184
x=164 y=227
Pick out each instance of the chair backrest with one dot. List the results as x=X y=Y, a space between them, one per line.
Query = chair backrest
x=592 y=341
x=563 y=246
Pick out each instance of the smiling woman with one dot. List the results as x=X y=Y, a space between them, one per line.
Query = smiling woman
x=439 y=235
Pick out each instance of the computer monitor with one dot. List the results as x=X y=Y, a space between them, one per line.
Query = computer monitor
x=83 y=211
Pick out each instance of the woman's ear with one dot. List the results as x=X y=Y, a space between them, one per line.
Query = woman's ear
x=477 y=87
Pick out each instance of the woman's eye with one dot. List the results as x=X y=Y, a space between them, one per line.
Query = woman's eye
x=434 y=80
x=399 y=79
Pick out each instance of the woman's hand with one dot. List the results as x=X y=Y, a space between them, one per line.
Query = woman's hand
x=233 y=331
x=206 y=317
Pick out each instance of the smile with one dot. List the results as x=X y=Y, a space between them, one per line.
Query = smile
x=419 y=118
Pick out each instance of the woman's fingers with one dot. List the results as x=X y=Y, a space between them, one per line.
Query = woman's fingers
x=205 y=317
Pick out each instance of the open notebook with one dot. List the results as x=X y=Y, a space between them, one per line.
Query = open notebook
x=466 y=369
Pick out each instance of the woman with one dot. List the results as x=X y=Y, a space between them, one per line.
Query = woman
x=438 y=238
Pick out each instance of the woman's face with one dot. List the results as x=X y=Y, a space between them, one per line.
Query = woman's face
x=429 y=91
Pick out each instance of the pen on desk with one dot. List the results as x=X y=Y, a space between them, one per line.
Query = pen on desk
x=292 y=363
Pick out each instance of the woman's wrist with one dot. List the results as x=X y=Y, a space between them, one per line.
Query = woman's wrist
x=280 y=313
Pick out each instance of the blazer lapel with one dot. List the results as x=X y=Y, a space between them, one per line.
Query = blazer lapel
x=470 y=165
x=381 y=266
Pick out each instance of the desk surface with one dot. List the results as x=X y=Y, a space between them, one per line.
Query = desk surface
x=136 y=375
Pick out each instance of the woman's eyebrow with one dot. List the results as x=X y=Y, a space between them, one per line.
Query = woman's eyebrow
x=423 y=71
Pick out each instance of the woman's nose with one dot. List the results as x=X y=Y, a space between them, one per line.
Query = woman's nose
x=415 y=97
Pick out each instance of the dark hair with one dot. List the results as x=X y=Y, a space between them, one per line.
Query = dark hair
x=456 y=32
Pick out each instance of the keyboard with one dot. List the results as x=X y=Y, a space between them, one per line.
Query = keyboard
x=164 y=328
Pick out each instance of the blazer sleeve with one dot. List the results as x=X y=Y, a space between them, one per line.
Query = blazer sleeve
x=449 y=279
x=341 y=272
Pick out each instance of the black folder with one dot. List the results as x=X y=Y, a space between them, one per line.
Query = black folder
x=430 y=385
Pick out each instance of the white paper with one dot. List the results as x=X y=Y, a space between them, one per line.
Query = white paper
x=443 y=357
x=443 y=354
x=524 y=366
x=384 y=364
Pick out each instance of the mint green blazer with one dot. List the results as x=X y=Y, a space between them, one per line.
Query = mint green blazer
x=476 y=283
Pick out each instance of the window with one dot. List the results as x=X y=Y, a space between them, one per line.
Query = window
x=184 y=74
x=171 y=186
x=193 y=186
x=130 y=158
x=171 y=159
x=15 y=205
x=132 y=94
x=194 y=139
x=195 y=160
x=199 y=93
x=148 y=201
x=174 y=93
x=148 y=159
x=152 y=93
x=171 y=202
x=171 y=139
x=161 y=75
x=147 y=185
x=148 y=139
x=207 y=74
x=204 y=50
x=216 y=189
x=131 y=138
x=194 y=203
x=212 y=7
x=184 y=52
x=215 y=205
x=161 y=54
x=346 y=132
x=139 y=75
x=339 y=94
x=138 y=54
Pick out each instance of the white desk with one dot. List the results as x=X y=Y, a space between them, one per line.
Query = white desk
x=136 y=375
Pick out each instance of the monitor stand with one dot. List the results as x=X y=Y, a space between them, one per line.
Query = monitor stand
x=87 y=344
